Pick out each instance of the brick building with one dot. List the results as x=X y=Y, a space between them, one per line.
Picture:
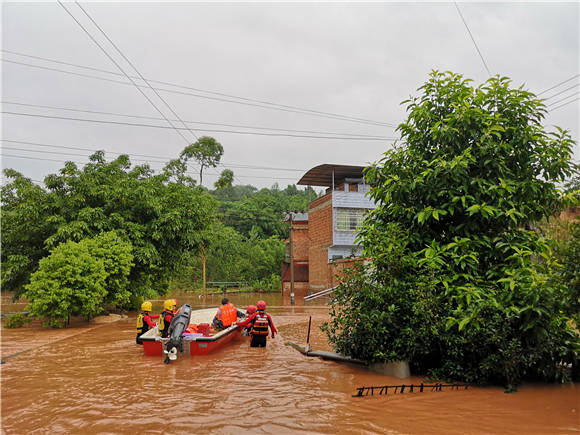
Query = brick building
x=323 y=240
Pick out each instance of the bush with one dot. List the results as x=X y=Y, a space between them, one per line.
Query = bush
x=17 y=320
x=79 y=278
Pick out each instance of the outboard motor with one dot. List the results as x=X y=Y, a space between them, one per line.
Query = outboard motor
x=176 y=328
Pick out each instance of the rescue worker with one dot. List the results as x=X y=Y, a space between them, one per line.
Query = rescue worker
x=259 y=322
x=249 y=311
x=166 y=317
x=226 y=315
x=144 y=320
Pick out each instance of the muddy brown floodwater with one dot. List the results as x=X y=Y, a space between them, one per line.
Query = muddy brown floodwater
x=94 y=379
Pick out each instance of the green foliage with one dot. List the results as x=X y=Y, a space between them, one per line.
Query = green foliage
x=264 y=211
x=226 y=179
x=231 y=256
x=17 y=320
x=206 y=151
x=163 y=219
x=459 y=285
x=69 y=281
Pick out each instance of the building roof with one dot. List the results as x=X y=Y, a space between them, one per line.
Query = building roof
x=321 y=175
x=296 y=217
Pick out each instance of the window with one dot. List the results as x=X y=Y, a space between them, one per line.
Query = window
x=347 y=219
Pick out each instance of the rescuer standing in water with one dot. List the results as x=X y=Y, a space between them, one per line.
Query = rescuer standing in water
x=166 y=317
x=259 y=324
x=145 y=320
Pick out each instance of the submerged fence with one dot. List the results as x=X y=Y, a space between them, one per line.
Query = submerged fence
x=411 y=388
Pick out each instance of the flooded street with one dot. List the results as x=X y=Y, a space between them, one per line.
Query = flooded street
x=94 y=379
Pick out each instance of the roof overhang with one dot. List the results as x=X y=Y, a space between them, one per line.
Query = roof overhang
x=322 y=175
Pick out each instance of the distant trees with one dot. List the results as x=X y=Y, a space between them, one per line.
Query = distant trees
x=459 y=284
x=226 y=180
x=206 y=151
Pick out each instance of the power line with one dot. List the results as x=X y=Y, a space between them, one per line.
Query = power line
x=565 y=104
x=68 y=109
x=561 y=92
x=84 y=163
x=558 y=84
x=135 y=69
x=100 y=121
x=565 y=98
x=243 y=100
x=120 y=68
x=473 y=39
x=163 y=158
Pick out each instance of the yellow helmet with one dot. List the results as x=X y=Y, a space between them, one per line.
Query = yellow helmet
x=146 y=306
x=168 y=304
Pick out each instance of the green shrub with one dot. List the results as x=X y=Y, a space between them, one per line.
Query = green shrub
x=17 y=320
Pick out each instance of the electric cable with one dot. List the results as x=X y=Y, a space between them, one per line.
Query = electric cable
x=84 y=163
x=245 y=101
x=135 y=69
x=68 y=109
x=473 y=39
x=558 y=84
x=561 y=92
x=565 y=104
x=100 y=121
x=120 y=68
x=164 y=159
x=565 y=98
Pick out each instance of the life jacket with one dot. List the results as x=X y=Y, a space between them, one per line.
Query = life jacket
x=228 y=314
x=163 y=325
x=191 y=328
x=142 y=326
x=261 y=324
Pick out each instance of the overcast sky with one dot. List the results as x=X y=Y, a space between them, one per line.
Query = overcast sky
x=355 y=59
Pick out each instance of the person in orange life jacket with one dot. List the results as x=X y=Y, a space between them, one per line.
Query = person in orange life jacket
x=249 y=311
x=260 y=322
x=166 y=317
x=226 y=315
x=144 y=320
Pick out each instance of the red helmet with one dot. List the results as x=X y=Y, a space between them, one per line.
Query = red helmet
x=251 y=309
x=261 y=305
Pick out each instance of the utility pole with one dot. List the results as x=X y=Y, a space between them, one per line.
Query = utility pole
x=291 y=262
x=203 y=269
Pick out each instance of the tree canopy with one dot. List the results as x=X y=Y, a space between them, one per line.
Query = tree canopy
x=206 y=151
x=162 y=219
x=460 y=285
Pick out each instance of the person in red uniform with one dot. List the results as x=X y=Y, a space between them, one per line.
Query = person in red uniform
x=145 y=320
x=259 y=324
x=166 y=317
x=226 y=315
x=249 y=311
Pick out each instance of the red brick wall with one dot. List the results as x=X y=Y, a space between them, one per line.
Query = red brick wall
x=320 y=232
x=336 y=269
x=300 y=240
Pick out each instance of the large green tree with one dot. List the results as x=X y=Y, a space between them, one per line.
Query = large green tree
x=459 y=284
x=162 y=218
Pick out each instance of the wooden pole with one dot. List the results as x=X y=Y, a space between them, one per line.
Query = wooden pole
x=291 y=262
x=203 y=269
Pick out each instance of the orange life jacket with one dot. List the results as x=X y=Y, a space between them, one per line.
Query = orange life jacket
x=261 y=324
x=191 y=328
x=228 y=314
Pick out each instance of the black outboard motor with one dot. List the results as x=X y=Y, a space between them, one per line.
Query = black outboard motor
x=176 y=328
